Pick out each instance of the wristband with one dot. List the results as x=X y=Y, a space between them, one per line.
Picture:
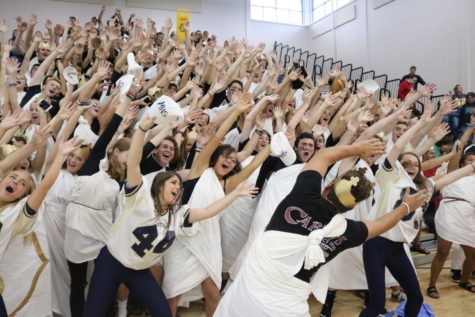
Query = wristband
x=407 y=206
x=141 y=129
x=83 y=103
x=258 y=132
x=198 y=149
x=10 y=83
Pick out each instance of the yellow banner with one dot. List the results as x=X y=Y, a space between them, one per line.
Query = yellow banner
x=182 y=17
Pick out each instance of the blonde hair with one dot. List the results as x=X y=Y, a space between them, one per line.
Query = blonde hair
x=83 y=151
x=32 y=185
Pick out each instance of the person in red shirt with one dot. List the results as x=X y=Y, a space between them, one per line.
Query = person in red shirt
x=406 y=86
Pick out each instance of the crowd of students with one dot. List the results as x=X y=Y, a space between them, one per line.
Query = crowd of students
x=259 y=178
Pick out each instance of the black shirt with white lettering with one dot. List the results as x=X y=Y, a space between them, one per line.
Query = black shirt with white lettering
x=305 y=210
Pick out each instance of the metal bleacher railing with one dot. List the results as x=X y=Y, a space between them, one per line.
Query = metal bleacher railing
x=317 y=65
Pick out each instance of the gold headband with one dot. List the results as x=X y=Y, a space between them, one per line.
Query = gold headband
x=192 y=135
x=83 y=151
x=44 y=45
x=154 y=90
x=21 y=135
x=343 y=191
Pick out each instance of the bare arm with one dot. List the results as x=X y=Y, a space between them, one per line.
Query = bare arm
x=134 y=176
x=429 y=164
x=36 y=198
x=454 y=176
x=389 y=220
x=238 y=178
x=328 y=156
x=25 y=64
x=455 y=160
x=198 y=214
x=406 y=137
x=201 y=163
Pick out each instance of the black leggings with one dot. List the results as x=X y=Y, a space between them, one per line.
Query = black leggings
x=379 y=253
x=3 y=310
x=78 y=272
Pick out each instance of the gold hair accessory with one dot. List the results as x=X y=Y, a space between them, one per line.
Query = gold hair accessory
x=192 y=135
x=83 y=151
x=6 y=150
x=21 y=135
x=343 y=191
x=44 y=45
x=53 y=78
x=152 y=91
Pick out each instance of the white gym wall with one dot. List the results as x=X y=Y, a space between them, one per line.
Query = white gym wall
x=225 y=18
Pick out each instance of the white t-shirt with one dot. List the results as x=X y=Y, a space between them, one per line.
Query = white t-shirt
x=139 y=236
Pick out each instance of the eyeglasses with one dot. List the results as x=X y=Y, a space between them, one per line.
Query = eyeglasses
x=230 y=158
x=410 y=164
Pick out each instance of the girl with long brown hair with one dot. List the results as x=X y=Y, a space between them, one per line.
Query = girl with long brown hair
x=146 y=227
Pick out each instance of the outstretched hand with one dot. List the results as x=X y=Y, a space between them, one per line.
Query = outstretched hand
x=65 y=148
x=370 y=147
x=416 y=200
x=11 y=120
x=246 y=190
x=42 y=135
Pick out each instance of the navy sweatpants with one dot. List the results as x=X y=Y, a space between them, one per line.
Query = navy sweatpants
x=379 y=253
x=109 y=273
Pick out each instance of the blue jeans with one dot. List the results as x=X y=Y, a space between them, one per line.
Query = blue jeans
x=379 y=253
x=109 y=273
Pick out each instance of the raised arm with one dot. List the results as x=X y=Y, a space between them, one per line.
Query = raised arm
x=243 y=190
x=454 y=176
x=429 y=164
x=389 y=220
x=455 y=160
x=435 y=136
x=251 y=116
x=374 y=129
x=22 y=153
x=406 y=137
x=44 y=66
x=134 y=175
x=25 y=64
x=36 y=198
x=330 y=155
x=238 y=178
x=201 y=163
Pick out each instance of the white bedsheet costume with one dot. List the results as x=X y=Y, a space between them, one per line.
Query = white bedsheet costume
x=191 y=259
x=89 y=215
x=26 y=272
x=279 y=185
x=235 y=222
x=266 y=285
x=455 y=218
x=55 y=224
